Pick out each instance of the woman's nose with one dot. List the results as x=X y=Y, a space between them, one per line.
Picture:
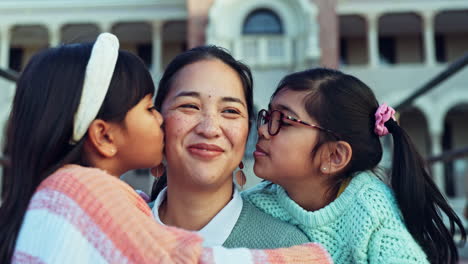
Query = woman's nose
x=209 y=126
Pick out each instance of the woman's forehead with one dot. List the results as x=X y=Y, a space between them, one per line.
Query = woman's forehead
x=209 y=78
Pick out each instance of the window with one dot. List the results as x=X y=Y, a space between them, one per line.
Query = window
x=264 y=42
x=440 y=48
x=262 y=21
x=145 y=52
x=16 y=59
x=353 y=40
x=387 y=50
x=400 y=38
x=343 y=51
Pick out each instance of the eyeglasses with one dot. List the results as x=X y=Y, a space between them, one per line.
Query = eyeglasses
x=275 y=120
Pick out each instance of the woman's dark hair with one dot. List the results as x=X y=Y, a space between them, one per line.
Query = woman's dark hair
x=41 y=124
x=194 y=55
x=345 y=105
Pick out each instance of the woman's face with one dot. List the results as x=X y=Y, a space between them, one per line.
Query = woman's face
x=287 y=157
x=206 y=124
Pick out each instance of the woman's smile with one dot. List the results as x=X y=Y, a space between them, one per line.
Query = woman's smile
x=205 y=151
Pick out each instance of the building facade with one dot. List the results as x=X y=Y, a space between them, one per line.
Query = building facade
x=393 y=46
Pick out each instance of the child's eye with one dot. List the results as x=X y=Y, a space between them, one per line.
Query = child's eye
x=152 y=108
x=283 y=123
x=192 y=106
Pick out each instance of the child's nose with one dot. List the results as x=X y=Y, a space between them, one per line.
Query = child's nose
x=263 y=131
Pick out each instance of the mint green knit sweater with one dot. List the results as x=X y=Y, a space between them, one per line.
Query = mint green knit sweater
x=363 y=225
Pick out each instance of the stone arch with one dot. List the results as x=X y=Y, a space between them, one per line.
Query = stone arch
x=454 y=137
x=299 y=20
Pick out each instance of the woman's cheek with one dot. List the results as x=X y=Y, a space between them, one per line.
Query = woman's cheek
x=174 y=125
x=237 y=133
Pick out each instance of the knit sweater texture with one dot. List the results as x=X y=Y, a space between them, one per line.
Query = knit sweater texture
x=84 y=215
x=256 y=229
x=363 y=225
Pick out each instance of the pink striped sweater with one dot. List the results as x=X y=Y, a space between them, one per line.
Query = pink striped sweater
x=70 y=220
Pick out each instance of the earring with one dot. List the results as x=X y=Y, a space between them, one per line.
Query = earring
x=324 y=169
x=158 y=171
x=240 y=176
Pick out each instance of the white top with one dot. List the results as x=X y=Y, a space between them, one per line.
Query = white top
x=219 y=228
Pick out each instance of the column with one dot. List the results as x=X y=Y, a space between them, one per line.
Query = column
x=54 y=35
x=156 y=60
x=105 y=26
x=372 y=40
x=197 y=21
x=329 y=32
x=5 y=38
x=428 y=31
x=438 y=167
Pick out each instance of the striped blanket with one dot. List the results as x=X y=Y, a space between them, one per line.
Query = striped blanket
x=84 y=215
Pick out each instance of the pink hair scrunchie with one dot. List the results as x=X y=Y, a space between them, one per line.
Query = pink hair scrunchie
x=382 y=115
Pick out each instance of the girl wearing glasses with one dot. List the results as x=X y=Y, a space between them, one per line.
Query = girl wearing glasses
x=319 y=148
x=205 y=97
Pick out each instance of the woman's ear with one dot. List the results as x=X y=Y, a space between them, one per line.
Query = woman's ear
x=101 y=136
x=335 y=157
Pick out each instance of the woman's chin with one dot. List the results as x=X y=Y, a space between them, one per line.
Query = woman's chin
x=209 y=181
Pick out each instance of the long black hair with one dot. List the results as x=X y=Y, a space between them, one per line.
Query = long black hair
x=197 y=54
x=41 y=124
x=345 y=105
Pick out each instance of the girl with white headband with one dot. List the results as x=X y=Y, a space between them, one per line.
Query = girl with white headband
x=318 y=149
x=83 y=115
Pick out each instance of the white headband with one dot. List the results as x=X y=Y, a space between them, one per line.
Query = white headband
x=98 y=75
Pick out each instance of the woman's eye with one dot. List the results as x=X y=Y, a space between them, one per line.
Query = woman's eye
x=152 y=109
x=192 y=106
x=231 y=111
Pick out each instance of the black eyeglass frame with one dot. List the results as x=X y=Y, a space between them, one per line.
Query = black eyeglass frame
x=266 y=115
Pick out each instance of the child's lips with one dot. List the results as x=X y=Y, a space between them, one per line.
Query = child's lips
x=259 y=152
